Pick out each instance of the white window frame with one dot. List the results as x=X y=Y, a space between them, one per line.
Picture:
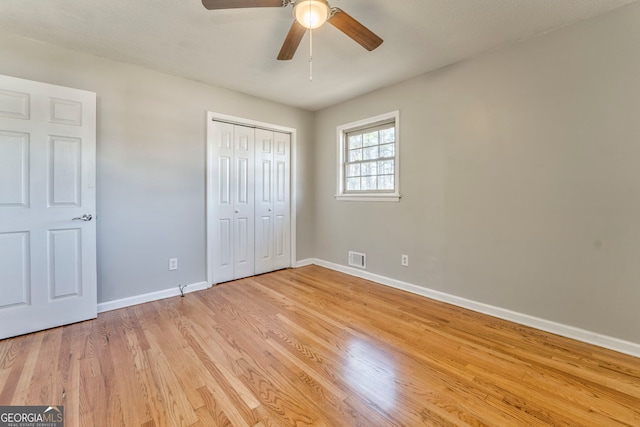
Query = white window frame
x=368 y=196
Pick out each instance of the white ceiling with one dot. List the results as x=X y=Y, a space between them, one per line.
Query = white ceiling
x=237 y=48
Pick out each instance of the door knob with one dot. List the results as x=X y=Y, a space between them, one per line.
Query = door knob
x=85 y=217
x=237 y=211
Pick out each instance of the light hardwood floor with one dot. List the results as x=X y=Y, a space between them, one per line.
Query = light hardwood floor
x=315 y=347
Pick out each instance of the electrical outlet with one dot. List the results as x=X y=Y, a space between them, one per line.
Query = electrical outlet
x=173 y=263
x=405 y=260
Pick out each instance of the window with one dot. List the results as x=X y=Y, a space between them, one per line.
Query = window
x=368 y=168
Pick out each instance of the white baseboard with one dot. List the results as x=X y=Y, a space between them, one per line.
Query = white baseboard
x=303 y=262
x=572 y=332
x=152 y=296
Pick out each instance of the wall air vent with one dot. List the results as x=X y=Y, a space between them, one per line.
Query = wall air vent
x=357 y=259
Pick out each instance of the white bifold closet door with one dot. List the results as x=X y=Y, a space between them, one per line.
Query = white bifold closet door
x=272 y=238
x=233 y=184
x=249 y=176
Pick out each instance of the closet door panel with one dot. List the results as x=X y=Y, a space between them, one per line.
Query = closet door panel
x=264 y=253
x=243 y=183
x=222 y=183
x=282 y=200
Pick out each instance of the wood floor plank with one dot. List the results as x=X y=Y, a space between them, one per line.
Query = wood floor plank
x=232 y=394
x=14 y=355
x=314 y=347
x=25 y=379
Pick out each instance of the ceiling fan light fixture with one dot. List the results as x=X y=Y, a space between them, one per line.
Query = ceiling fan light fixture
x=311 y=14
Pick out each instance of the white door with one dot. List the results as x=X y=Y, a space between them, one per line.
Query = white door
x=264 y=254
x=243 y=209
x=281 y=200
x=47 y=205
x=231 y=181
x=272 y=201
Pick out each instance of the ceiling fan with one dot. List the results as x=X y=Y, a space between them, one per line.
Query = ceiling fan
x=308 y=14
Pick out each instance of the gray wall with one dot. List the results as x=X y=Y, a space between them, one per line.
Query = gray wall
x=520 y=179
x=151 y=162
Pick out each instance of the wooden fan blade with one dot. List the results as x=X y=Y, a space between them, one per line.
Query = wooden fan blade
x=236 y=4
x=358 y=32
x=296 y=32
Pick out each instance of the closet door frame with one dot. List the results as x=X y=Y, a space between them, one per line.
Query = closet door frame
x=210 y=195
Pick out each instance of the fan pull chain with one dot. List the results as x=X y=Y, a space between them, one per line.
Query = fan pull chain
x=310 y=45
x=310 y=55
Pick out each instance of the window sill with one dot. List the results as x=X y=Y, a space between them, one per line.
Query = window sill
x=368 y=197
